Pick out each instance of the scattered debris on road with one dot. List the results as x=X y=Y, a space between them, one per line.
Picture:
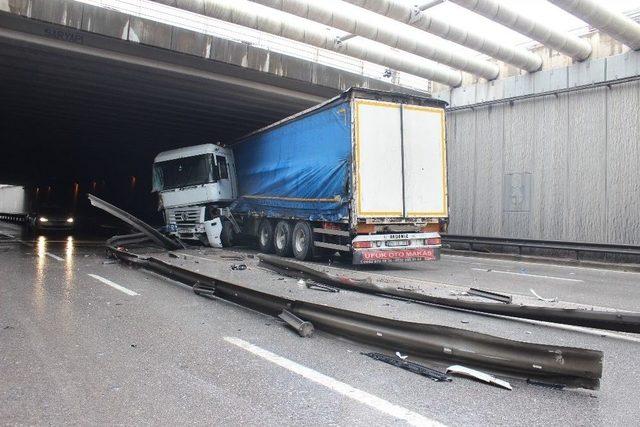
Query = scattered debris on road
x=601 y=319
x=320 y=287
x=545 y=384
x=555 y=299
x=478 y=375
x=401 y=356
x=507 y=299
x=233 y=257
x=409 y=366
x=239 y=267
x=578 y=367
x=303 y=328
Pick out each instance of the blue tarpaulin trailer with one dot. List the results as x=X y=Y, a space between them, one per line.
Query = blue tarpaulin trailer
x=366 y=160
x=300 y=169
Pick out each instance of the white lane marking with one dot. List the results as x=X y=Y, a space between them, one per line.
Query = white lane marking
x=56 y=257
x=114 y=285
x=375 y=402
x=539 y=276
x=485 y=261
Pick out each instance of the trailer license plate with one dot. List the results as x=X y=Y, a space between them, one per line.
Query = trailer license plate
x=395 y=243
x=396 y=255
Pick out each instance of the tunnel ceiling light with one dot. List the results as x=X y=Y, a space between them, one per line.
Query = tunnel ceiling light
x=202 y=24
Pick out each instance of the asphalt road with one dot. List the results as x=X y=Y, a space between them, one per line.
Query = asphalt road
x=89 y=342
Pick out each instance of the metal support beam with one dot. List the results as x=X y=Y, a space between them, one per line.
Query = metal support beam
x=598 y=15
x=429 y=4
x=414 y=16
x=561 y=41
x=246 y=14
x=363 y=26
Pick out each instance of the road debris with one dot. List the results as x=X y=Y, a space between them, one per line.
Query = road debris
x=621 y=321
x=543 y=299
x=320 y=287
x=303 y=328
x=144 y=228
x=545 y=384
x=239 y=267
x=458 y=293
x=481 y=376
x=401 y=356
x=233 y=257
x=409 y=366
x=578 y=367
x=172 y=255
x=507 y=299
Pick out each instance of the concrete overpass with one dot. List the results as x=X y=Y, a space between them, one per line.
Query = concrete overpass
x=81 y=86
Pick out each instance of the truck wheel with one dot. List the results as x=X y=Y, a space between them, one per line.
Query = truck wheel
x=228 y=235
x=265 y=236
x=282 y=239
x=303 y=241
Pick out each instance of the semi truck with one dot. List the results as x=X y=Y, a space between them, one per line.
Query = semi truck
x=363 y=174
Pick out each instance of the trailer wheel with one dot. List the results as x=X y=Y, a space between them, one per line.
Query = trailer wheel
x=303 y=241
x=265 y=236
x=282 y=240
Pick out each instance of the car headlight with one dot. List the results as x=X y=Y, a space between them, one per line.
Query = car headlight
x=70 y=220
x=43 y=219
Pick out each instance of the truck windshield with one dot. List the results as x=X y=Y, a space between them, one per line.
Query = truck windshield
x=183 y=172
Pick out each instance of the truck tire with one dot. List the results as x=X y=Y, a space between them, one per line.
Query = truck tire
x=265 y=236
x=282 y=239
x=228 y=235
x=303 y=241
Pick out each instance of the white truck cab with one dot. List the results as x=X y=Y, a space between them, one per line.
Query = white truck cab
x=190 y=182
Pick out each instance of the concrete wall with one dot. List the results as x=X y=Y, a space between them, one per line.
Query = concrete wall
x=559 y=167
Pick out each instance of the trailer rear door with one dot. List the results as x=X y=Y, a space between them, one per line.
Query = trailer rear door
x=400 y=160
x=425 y=175
x=378 y=159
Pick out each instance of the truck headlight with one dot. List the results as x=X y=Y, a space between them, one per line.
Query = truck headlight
x=70 y=220
x=43 y=219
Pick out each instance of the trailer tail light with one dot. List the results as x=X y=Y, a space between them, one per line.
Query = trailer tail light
x=432 y=227
x=366 y=228
x=362 y=245
x=434 y=241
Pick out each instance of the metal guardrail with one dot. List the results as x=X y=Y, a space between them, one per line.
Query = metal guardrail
x=577 y=367
x=474 y=242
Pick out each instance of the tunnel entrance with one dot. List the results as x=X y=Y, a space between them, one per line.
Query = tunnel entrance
x=76 y=119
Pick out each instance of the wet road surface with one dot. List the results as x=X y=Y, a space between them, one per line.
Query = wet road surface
x=85 y=341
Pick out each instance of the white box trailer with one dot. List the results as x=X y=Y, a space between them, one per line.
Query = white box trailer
x=13 y=200
x=14 y=203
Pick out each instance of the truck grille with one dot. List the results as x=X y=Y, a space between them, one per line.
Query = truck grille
x=186 y=216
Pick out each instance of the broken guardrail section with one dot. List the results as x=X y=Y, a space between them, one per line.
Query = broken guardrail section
x=574 y=367
x=609 y=320
x=144 y=228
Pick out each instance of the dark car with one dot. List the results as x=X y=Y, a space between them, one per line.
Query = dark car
x=53 y=218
